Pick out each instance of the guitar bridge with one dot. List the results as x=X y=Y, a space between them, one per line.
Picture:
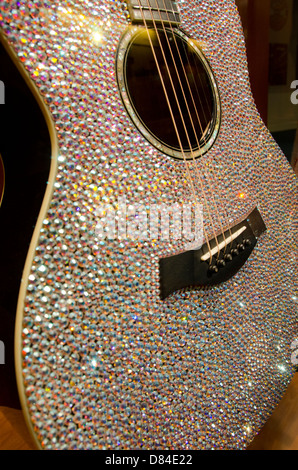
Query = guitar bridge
x=157 y=11
x=215 y=262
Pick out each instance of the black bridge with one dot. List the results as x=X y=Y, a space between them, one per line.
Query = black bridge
x=213 y=264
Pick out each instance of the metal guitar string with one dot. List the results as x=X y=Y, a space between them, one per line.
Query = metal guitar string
x=195 y=108
x=223 y=208
x=173 y=118
x=181 y=115
x=192 y=123
x=194 y=160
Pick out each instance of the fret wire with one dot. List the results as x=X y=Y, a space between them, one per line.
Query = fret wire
x=161 y=10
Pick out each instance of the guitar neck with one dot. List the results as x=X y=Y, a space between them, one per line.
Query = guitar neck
x=154 y=11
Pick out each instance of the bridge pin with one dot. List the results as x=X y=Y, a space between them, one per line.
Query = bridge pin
x=213 y=269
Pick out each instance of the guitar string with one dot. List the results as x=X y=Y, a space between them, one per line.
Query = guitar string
x=173 y=120
x=198 y=118
x=182 y=118
x=225 y=215
x=191 y=120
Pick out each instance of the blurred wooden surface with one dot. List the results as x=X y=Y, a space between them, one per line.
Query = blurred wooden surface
x=14 y=434
x=279 y=433
x=281 y=430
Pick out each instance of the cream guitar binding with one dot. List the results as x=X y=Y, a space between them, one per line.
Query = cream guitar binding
x=104 y=360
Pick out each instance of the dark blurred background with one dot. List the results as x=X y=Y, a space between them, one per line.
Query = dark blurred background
x=271 y=33
x=25 y=150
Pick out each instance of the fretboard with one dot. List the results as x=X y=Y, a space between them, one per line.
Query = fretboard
x=158 y=11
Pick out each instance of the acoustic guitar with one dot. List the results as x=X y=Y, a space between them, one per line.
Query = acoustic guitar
x=2 y=179
x=158 y=302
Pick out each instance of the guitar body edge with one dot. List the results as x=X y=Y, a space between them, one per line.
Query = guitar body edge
x=95 y=346
x=34 y=241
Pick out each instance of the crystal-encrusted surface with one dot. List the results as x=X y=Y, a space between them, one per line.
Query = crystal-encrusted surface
x=106 y=364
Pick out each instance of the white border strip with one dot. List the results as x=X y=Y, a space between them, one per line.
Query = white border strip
x=223 y=244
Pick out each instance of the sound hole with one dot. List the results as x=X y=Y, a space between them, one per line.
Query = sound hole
x=183 y=120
